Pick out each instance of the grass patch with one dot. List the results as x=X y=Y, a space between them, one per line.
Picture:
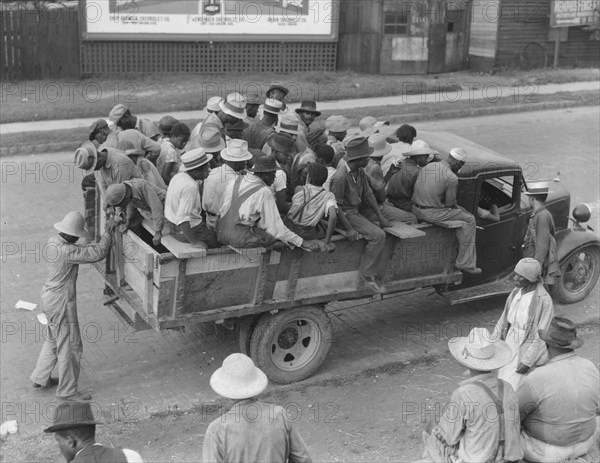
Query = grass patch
x=50 y=100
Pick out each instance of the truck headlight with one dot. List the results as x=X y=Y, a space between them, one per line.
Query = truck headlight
x=582 y=213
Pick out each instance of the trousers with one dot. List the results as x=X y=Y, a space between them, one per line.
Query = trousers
x=390 y=213
x=375 y=237
x=201 y=233
x=467 y=255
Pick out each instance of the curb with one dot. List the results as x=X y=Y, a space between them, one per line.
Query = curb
x=6 y=151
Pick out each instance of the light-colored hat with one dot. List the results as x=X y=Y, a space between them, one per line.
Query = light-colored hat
x=234 y=106
x=194 y=159
x=287 y=124
x=379 y=143
x=459 y=154
x=213 y=104
x=477 y=352
x=210 y=139
x=529 y=268
x=72 y=224
x=86 y=157
x=537 y=188
x=273 y=106
x=117 y=113
x=420 y=148
x=337 y=124
x=115 y=194
x=238 y=378
x=236 y=151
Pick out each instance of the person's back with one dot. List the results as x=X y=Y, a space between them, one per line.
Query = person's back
x=432 y=184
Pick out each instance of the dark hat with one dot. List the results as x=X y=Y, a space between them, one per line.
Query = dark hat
x=252 y=98
x=282 y=142
x=325 y=152
x=277 y=86
x=166 y=123
x=318 y=174
x=72 y=414
x=309 y=106
x=561 y=333
x=265 y=164
x=97 y=126
x=358 y=148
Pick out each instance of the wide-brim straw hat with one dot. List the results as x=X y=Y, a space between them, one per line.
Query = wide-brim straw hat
x=479 y=352
x=420 y=148
x=236 y=151
x=86 y=157
x=72 y=224
x=234 y=106
x=117 y=112
x=194 y=159
x=380 y=145
x=238 y=378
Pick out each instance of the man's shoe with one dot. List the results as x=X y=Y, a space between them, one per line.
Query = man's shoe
x=372 y=284
x=51 y=383
x=78 y=396
x=470 y=270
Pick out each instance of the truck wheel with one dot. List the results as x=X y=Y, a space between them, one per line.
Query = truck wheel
x=291 y=345
x=579 y=274
x=245 y=329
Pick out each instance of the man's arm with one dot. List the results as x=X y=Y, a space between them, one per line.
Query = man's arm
x=451 y=190
x=338 y=188
x=92 y=252
x=332 y=213
x=156 y=206
x=270 y=220
x=298 y=450
x=151 y=147
x=452 y=422
x=166 y=173
x=542 y=238
x=211 y=448
x=528 y=401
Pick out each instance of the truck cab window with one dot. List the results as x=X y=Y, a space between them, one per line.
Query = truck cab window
x=497 y=191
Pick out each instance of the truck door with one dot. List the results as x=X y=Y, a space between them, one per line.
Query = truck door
x=498 y=242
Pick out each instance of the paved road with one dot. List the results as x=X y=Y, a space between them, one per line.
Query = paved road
x=132 y=374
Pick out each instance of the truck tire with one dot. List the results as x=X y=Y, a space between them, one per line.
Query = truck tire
x=291 y=345
x=245 y=329
x=579 y=274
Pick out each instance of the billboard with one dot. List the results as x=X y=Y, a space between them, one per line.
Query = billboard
x=567 y=13
x=210 y=20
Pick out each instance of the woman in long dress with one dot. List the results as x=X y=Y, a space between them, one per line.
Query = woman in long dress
x=529 y=308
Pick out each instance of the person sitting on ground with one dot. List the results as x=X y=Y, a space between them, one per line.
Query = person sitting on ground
x=235 y=156
x=74 y=428
x=108 y=164
x=148 y=170
x=138 y=140
x=170 y=154
x=325 y=155
x=249 y=217
x=121 y=116
x=481 y=422
x=540 y=238
x=434 y=200
x=351 y=188
x=400 y=188
x=310 y=204
x=183 y=204
x=559 y=402
x=260 y=131
x=270 y=437
x=165 y=125
x=212 y=106
x=307 y=113
x=139 y=200
x=390 y=164
x=252 y=105
x=282 y=150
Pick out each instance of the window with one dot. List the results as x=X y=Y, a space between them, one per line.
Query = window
x=455 y=20
x=395 y=24
x=498 y=191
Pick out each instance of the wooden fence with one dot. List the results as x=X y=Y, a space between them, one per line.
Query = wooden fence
x=39 y=43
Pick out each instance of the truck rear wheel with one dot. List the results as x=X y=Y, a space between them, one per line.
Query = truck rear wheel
x=246 y=327
x=579 y=274
x=291 y=345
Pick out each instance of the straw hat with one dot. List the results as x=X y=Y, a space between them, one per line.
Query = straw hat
x=561 y=333
x=273 y=106
x=379 y=143
x=420 y=148
x=72 y=414
x=210 y=139
x=213 y=104
x=72 y=224
x=194 y=159
x=477 y=352
x=236 y=151
x=234 y=106
x=537 y=188
x=287 y=124
x=459 y=154
x=117 y=113
x=86 y=157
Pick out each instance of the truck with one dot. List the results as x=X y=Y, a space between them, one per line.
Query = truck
x=275 y=299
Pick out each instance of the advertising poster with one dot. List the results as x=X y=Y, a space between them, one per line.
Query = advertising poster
x=567 y=13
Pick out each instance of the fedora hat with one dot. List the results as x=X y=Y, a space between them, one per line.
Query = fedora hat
x=117 y=113
x=282 y=142
x=561 y=333
x=72 y=224
x=238 y=378
x=236 y=151
x=72 y=414
x=194 y=159
x=337 y=124
x=213 y=104
x=379 y=143
x=459 y=154
x=358 y=148
x=287 y=124
x=86 y=157
x=234 y=106
x=477 y=352
x=277 y=86
x=420 y=148
x=265 y=164
x=210 y=139
x=308 y=106
x=273 y=106
x=537 y=188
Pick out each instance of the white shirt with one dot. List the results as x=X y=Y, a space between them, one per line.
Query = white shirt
x=315 y=209
x=330 y=171
x=214 y=187
x=259 y=210
x=518 y=314
x=183 y=202
x=280 y=183
x=394 y=156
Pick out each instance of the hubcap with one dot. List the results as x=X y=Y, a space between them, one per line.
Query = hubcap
x=578 y=271
x=295 y=344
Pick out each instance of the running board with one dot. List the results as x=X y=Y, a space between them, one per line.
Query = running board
x=476 y=293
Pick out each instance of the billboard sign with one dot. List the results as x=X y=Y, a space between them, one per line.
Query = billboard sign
x=567 y=13
x=208 y=20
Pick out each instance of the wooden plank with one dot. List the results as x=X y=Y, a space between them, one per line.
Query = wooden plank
x=138 y=282
x=404 y=231
x=181 y=250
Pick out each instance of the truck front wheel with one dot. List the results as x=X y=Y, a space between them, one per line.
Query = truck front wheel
x=579 y=274
x=292 y=344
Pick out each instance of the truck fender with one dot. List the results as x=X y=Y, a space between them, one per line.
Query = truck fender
x=572 y=239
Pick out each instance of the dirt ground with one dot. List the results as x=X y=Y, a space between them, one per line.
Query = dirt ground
x=377 y=417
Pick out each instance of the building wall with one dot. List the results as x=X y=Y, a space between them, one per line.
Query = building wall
x=484 y=35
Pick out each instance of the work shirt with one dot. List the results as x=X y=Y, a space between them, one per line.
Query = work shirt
x=168 y=154
x=375 y=175
x=257 y=134
x=315 y=209
x=150 y=173
x=214 y=187
x=349 y=191
x=558 y=402
x=193 y=142
x=117 y=169
x=330 y=173
x=303 y=131
x=98 y=453
x=394 y=156
x=436 y=186
x=253 y=431
x=401 y=186
x=183 y=202
x=147 y=127
x=147 y=198
x=211 y=120
x=259 y=210
x=138 y=140
x=471 y=421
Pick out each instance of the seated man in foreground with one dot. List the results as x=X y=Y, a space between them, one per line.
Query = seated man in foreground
x=559 y=401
